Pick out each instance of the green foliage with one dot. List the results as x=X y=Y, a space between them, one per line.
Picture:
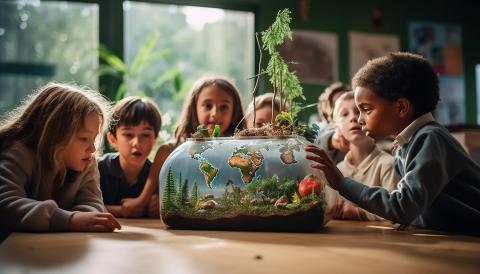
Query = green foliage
x=180 y=183
x=280 y=77
x=291 y=206
x=183 y=194
x=252 y=187
x=203 y=130
x=195 y=194
x=131 y=75
x=277 y=32
x=288 y=188
x=216 y=131
x=169 y=192
x=269 y=186
x=285 y=117
x=272 y=187
x=309 y=132
x=58 y=37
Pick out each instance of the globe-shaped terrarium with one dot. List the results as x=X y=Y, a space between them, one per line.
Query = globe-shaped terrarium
x=249 y=183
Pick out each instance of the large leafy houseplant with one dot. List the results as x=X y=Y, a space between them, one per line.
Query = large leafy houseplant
x=130 y=76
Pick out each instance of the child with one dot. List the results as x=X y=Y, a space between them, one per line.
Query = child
x=133 y=132
x=212 y=100
x=263 y=107
x=326 y=101
x=49 y=178
x=330 y=139
x=440 y=184
x=364 y=162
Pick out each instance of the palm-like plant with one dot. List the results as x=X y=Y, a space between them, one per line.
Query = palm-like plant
x=131 y=75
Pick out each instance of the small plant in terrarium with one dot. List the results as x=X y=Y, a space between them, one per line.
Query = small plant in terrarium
x=202 y=132
x=285 y=84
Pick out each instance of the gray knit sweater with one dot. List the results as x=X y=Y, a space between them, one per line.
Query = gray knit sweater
x=20 y=204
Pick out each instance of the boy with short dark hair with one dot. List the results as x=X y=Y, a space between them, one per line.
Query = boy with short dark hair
x=440 y=184
x=364 y=162
x=133 y=132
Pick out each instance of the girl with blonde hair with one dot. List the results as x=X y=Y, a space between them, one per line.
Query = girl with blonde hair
x=49 y=178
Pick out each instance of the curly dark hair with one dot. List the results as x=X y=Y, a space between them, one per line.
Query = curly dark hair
x=401 y=75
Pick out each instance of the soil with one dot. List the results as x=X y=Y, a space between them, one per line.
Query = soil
x=308 y=220
x=266 y=130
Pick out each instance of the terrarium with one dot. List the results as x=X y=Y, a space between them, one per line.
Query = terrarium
x=257 y=180
x=248 y=183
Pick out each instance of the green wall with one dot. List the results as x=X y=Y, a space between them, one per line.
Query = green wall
x=343 y=16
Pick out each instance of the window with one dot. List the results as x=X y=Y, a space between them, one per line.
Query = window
x=189 y=40
x=45 y=41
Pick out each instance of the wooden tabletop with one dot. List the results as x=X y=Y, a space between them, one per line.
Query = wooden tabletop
x=145 y=246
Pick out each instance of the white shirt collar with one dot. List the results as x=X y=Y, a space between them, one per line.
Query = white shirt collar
x=407 y=133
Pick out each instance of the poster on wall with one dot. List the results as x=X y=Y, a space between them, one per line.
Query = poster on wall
x=442 y=45
x=366 y=46
x=312 y=55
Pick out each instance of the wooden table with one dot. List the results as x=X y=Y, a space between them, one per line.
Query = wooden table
x=145 y=246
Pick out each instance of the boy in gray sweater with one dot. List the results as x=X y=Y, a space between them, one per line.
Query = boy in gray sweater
x=440 y=185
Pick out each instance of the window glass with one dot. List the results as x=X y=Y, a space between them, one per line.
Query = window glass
x=44 y=41
x=189 y=40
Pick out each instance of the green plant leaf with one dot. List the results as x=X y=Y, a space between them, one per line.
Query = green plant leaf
x=120 y=92
x=104 y=69
x=143 y=54
x=285 y=116
x=155 y=56
x=170 y=74
x=177 y=82
x=203 y=130
x=216 y=131
x=111 y=59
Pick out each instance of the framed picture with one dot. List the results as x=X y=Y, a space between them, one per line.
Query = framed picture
x=312 y=55
x=442 y=45
x=366 y=46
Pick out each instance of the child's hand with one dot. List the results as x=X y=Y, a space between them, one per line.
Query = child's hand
x=93 y=221
x=339 y=142
x=133 y=208
x=154 y=207
x=348 y=211
x=324 y=163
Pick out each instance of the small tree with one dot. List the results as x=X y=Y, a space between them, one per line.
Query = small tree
x=169 y=192
x=195 y=194
x=281 y=78
x=180 y=182
x=183 y=195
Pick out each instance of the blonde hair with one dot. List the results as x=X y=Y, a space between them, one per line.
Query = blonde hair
x=325 y=103
x=264 y=100
x=46 y=123
x=347 y=96
x=188 y=122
